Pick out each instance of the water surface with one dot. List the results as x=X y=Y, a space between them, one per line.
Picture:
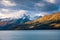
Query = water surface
x=30 y=35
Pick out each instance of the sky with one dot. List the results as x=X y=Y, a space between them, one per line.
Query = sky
x=17 y=8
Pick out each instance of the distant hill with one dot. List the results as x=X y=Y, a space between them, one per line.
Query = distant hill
x=51 y=21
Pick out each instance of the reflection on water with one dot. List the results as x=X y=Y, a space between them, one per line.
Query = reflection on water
x=30 y=35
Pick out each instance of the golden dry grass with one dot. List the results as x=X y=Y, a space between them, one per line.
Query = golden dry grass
x=48 y=18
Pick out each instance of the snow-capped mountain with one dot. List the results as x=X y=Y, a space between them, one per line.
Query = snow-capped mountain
x=8 y=23
x=24 y=19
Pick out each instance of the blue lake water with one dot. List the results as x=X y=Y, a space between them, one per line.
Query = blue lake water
x=30 y=35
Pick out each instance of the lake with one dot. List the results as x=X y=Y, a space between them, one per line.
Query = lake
x=30 y=35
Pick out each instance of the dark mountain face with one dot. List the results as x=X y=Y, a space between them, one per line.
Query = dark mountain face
x=23 y=19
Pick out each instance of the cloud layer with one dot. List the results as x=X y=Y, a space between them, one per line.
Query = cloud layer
x=5 y=13
x=7 y=3
x=16 y=8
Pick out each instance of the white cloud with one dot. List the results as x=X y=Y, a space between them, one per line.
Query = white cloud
x=40 y=4
x=7 y=3
x=4 y=10
x=42 y=14
x=5 y=13
x=51 y=1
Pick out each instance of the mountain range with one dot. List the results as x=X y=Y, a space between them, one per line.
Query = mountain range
x=8 y=23
x=51 y=21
